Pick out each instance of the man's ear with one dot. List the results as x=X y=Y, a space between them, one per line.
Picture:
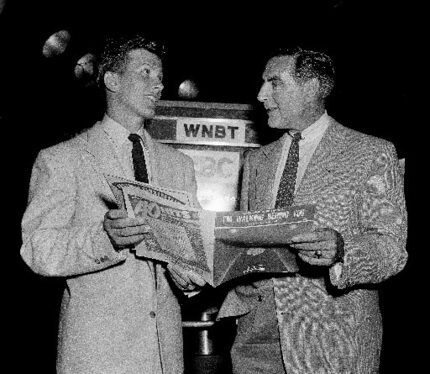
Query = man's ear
x=312 y=87
x=111 y=81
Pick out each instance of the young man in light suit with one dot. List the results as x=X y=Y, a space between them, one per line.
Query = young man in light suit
x=118 y=313
x=325 y=318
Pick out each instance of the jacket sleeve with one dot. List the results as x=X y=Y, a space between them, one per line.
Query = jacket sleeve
x=54 y=242
x=377 y=248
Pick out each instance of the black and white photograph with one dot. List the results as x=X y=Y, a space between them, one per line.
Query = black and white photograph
x=213 y=188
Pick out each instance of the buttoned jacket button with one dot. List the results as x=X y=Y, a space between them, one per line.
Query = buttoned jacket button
x=152 y=314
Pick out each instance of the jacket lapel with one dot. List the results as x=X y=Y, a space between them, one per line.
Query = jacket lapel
x=154 y=160
x=155 y=166
x=101 y=148
x=323 y=162
x=100 y=154
x=266 y=172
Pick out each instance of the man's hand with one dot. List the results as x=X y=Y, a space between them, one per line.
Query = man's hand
x=322 y=247
x=124 y=231
x=185 y=280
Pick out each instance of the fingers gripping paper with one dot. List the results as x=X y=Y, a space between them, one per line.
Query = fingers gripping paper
x=180 y=234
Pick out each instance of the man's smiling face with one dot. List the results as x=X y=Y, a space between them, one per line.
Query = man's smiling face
x=140 y=83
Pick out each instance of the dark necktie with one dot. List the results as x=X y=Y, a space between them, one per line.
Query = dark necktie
x=287 y=184
x=140 y=173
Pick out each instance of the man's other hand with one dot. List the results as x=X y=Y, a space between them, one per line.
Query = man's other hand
x=185 y=280
x=124 y=231
x=322 y=247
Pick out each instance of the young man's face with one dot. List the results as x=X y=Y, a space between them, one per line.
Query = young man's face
x=140 y=83
x=283 y=98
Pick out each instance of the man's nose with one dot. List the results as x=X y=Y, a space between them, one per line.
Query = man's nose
x=262 y=94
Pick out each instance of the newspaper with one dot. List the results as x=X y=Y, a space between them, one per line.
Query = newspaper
x=219 y=246
x=257 y=241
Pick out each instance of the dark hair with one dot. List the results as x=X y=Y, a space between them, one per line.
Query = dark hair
x=115 y=52
x=308 y=64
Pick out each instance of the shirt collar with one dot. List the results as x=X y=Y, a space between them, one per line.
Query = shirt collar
x=118 y=133
x=316 y=129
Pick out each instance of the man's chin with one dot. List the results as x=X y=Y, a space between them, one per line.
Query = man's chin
x=273 y=120
x=274 y=124
x=148 y=113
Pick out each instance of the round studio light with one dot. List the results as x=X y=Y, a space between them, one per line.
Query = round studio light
x=56 y=44
x=85 y=66
x=188 y=89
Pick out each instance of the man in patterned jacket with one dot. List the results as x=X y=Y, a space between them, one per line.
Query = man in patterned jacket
x=325 y=318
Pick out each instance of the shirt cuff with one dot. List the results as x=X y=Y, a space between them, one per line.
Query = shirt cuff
x=336 y=274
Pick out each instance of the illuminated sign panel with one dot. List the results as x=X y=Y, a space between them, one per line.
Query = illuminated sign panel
x=217 y=175
x=210 y=130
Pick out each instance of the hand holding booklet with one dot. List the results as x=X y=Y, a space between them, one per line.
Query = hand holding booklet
x=219 y=246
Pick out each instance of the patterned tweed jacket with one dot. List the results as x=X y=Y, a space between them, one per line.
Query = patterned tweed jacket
x=330 y=322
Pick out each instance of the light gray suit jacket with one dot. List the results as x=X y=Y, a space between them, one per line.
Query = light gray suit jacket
x=329 y=322
x=108 y=310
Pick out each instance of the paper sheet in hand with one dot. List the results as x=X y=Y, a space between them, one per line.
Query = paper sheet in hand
x=249 y=242
x=265 y=227
x=180 y=234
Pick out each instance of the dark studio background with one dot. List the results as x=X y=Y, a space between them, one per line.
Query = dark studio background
x=223 y=50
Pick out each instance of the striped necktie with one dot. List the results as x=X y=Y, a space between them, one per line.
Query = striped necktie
x=287 y=184
x=140 y=172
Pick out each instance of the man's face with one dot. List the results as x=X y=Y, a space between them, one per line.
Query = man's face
x=140 y=84
x=283 y=98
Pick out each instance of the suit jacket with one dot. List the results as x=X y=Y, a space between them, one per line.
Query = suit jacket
x=329 y=321
x=110 y=313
